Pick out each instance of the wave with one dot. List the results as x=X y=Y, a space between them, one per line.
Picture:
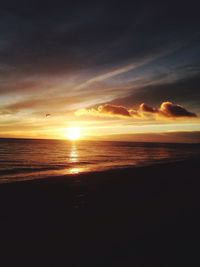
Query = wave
x=29 y=169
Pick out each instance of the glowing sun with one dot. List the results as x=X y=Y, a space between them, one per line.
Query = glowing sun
x=73 y=133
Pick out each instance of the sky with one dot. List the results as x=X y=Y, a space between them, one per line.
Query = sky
x=115 y=69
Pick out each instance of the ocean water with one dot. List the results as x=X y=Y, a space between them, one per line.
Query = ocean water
x=24 y=159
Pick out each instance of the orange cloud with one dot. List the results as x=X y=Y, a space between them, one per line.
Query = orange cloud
x=108 y=110
x=166 y=109
x=114 y=110
x=145 y=108
x=169 y=109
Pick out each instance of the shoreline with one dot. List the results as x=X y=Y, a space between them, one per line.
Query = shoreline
x=112 y=171
x=109 y=172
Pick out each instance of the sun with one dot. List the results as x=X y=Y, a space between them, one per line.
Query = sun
x=73 y=133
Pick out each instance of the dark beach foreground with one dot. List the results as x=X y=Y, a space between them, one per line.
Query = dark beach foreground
x=146 y=216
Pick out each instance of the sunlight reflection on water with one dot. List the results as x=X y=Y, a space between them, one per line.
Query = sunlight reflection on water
x=73 y=155
x=33 y=159
x=74 y=170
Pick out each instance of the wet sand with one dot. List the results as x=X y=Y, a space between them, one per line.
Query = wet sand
x=146 y=216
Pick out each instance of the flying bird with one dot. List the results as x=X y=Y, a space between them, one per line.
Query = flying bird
x=47 y=115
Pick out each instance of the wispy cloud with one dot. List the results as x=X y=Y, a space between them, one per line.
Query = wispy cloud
x=107 y=75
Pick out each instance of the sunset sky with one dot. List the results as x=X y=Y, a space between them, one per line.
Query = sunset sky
x=116 y=70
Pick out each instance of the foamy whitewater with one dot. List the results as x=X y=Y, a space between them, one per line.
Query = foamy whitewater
x=24 y=159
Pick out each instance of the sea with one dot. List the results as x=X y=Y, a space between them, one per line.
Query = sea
x=27 y=159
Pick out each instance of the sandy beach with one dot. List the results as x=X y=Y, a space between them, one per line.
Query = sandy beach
x=144 y=216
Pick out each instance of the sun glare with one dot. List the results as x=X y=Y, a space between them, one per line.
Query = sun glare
x=73 y=133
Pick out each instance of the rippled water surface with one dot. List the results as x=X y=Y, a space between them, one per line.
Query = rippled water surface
x=32 y=159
